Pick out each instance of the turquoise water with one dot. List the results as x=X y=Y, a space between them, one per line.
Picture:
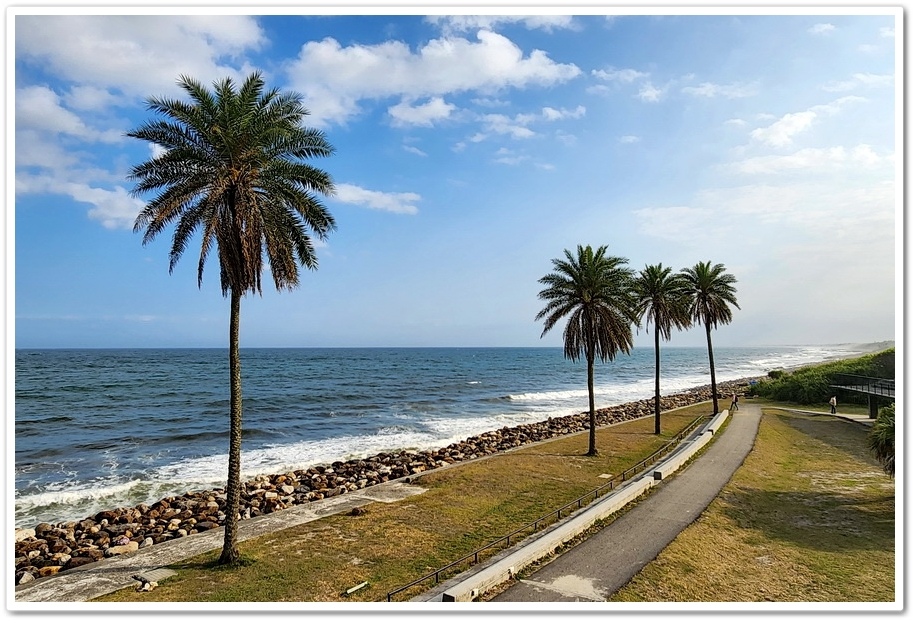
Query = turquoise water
x=98 y=429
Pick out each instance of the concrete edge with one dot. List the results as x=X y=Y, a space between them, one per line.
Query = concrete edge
x=503 y=568
x=506 y=568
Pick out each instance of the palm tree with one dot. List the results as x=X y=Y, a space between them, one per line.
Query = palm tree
x=662 y=299
x=230 y=168
x=881 y=439
x=711 y=292
x=595 y=291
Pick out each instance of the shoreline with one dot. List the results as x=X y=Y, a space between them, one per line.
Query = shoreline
x=49 y=548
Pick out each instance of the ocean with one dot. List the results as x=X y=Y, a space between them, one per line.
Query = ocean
x=98 y=429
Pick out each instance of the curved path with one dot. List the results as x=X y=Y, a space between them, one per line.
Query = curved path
x=600 y=565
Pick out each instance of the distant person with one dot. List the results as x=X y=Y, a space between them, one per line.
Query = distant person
x=832 y=405
x=734 y=406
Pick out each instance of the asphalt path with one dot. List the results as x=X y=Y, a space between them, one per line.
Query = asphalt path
x=600 y=565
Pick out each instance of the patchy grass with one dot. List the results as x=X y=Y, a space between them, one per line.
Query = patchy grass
x=465 y=507
x=808 y=517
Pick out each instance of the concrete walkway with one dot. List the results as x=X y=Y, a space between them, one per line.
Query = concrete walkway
x=596 y=568
x=602 y=564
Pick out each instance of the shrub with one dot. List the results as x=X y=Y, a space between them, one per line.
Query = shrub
x=881 y=439
x=811 y=384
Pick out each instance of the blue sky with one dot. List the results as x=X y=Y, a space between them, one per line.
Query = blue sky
x=470 y=152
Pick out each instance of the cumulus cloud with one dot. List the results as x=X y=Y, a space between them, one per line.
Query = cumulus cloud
x=648 y=92
x=334 y=78
x=822 y=29
x=114 y=208
x=40 y=108
x=137 y=55
x=398 y=203
x=781 y=132
x=406 y=113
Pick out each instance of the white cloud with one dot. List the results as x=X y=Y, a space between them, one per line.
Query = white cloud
x=114 y=208
x=822 y=29
x=552 y=114
x=781 y=132
x=39 y=108
x=814 y=160
x=464 y=23
x=137 y=55
x=501 y=124
x=736 y=122
x=887 y=32
x=628 y=139
x=399 y=203
x=414 y=150
x=334 y=78
x=436 y=109
x=618 y=75
x=860 y=80
x=648 y=92
x=728 y=91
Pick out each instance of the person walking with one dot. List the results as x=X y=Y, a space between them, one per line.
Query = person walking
x=833 y=405
x=734 y=406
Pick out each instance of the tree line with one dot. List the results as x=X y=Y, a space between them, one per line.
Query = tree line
x=602 y=301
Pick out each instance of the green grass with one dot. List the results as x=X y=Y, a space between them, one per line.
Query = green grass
x=464 y=508
x=808 y=517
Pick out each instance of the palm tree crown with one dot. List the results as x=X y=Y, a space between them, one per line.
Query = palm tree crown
x=230 y=166
x=711 y=293
x=661 y=298
x=594 y=291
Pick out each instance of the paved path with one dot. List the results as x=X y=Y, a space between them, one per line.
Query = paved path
x=596 y=568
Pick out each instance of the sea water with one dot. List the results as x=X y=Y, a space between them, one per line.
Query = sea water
x=98 y=429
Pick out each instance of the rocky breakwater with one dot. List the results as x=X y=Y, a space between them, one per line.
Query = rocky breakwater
x=49 y=548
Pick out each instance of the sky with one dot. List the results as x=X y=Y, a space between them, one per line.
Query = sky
x=471 y=150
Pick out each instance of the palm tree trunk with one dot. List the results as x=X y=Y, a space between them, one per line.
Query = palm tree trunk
x=230 y=552
x=658 y=389
x=592 y=421
x=712 y=370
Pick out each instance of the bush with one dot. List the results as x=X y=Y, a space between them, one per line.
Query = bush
x=811 y=384
x=881 y=439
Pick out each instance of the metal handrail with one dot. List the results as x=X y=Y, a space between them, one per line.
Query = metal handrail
x=609 y=485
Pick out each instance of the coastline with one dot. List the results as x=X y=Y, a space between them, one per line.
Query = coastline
x=49 y=548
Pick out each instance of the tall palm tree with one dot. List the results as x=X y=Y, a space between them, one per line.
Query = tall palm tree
x=662 y=299
x=711 y=293
x=230 y=167
x=595 y=291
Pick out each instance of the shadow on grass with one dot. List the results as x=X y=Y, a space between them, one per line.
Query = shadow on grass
x=848 y=437
x=824 y=521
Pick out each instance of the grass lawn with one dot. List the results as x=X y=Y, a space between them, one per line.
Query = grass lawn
x=464 y=508
x=808 y=517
